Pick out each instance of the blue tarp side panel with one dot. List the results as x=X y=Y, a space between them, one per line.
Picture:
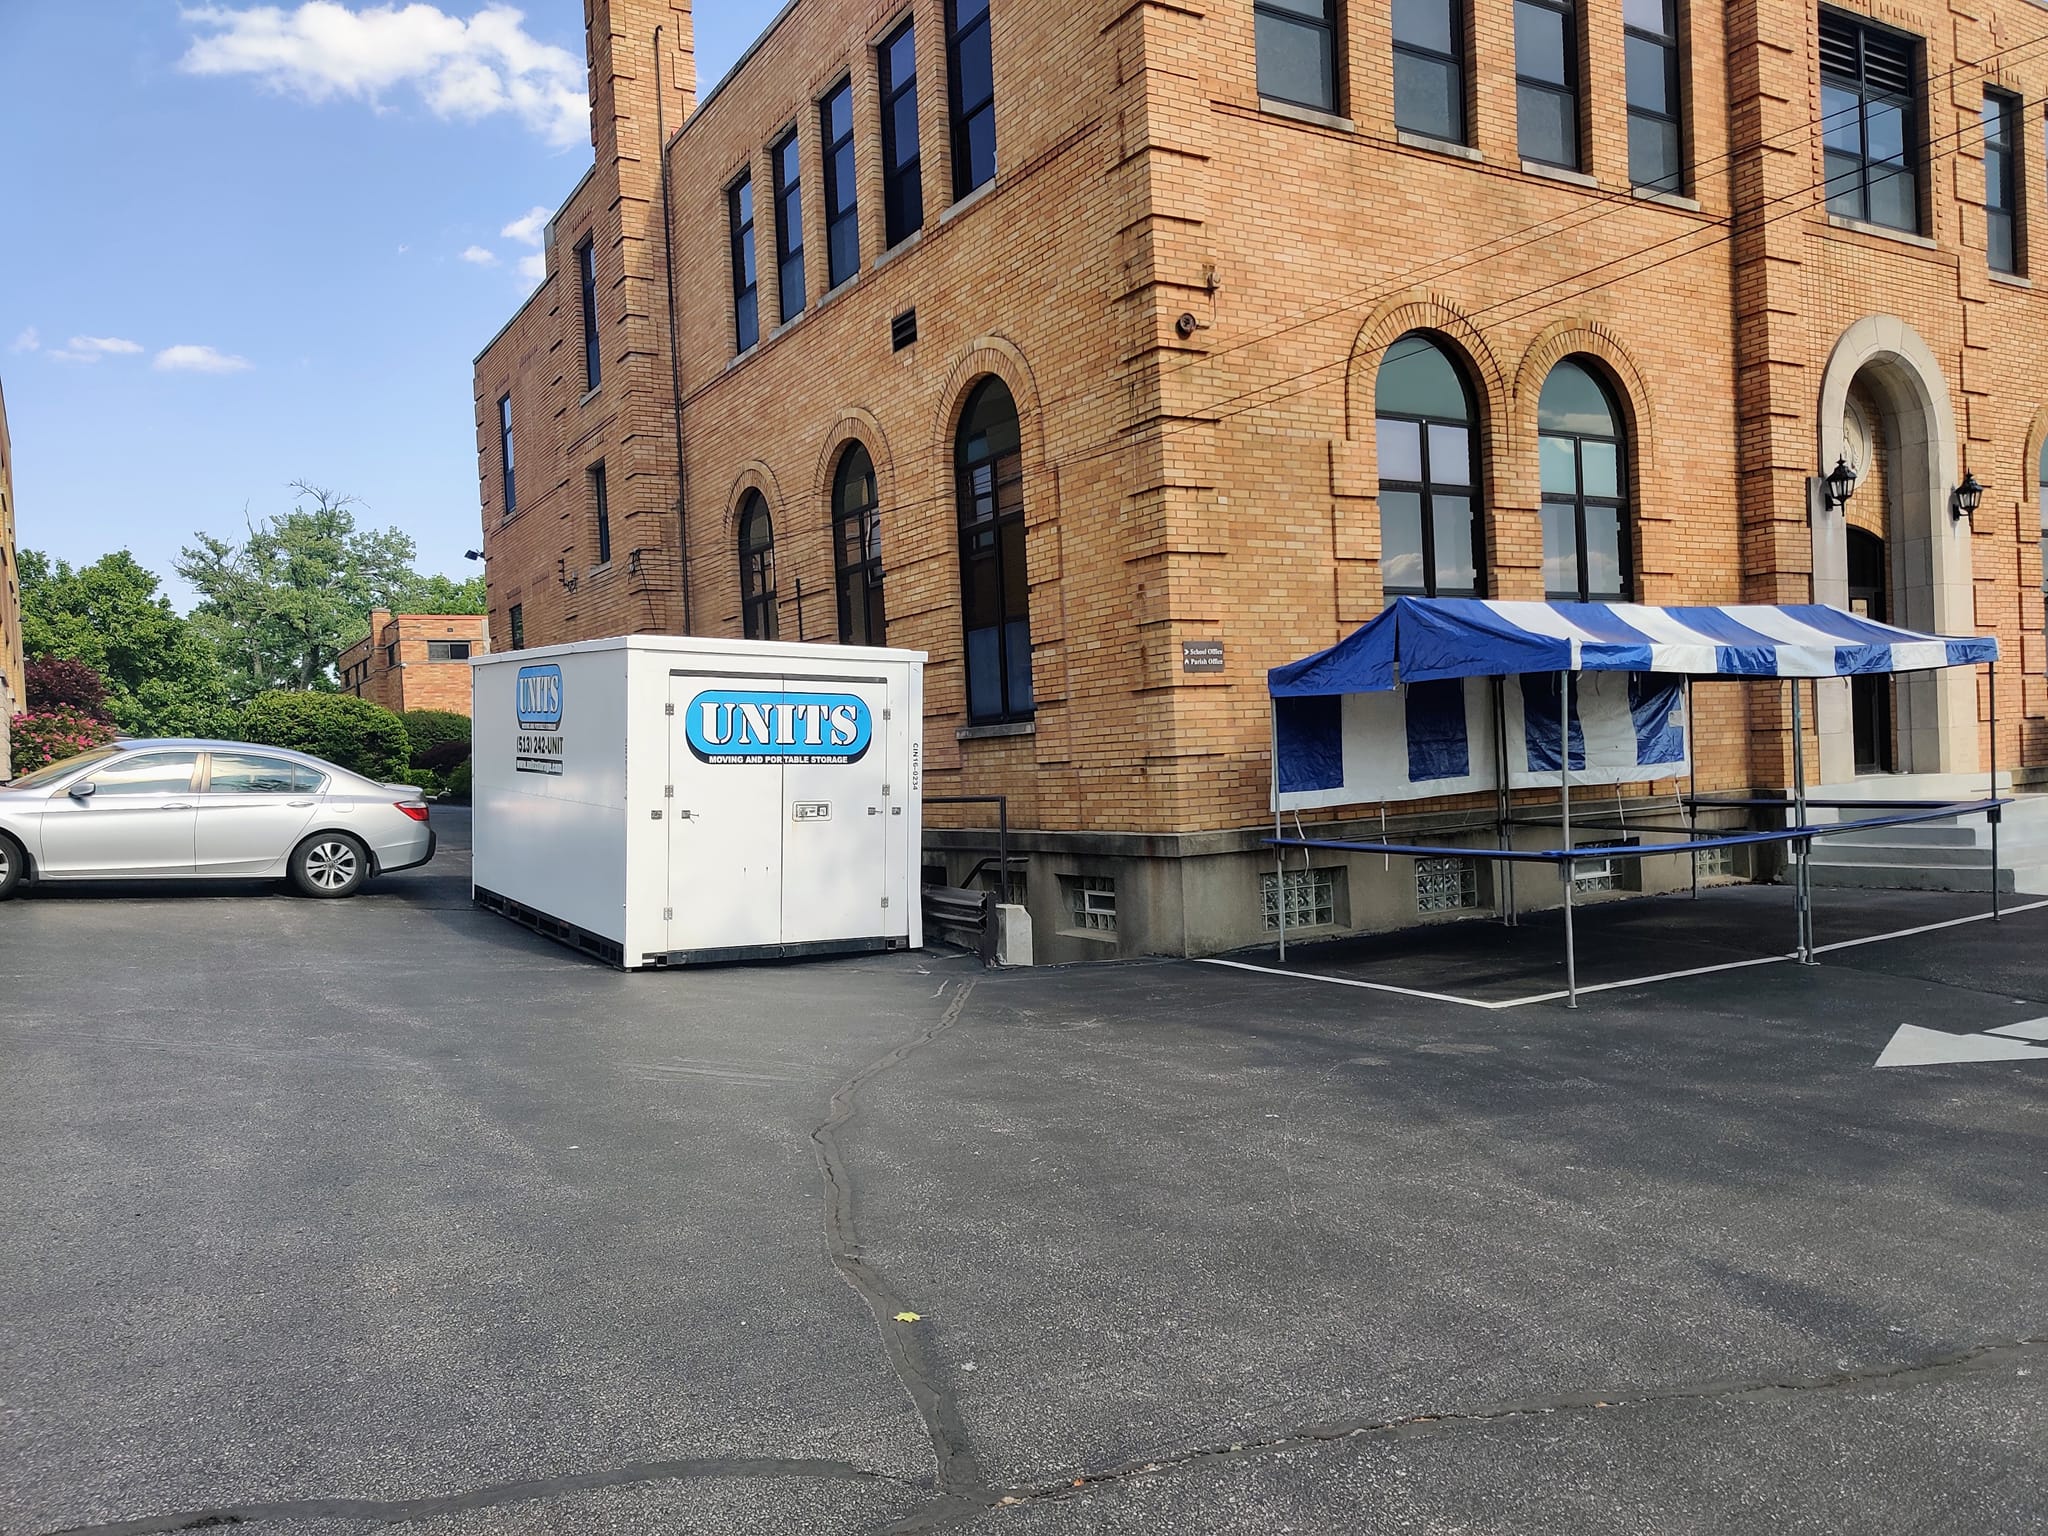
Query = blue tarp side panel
x=1310 y=737
x=1539 y=725
x=1658 y=704
x=1362 y=662
x=1438 y=744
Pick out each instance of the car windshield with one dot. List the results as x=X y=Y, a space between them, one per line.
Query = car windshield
x=56 y=771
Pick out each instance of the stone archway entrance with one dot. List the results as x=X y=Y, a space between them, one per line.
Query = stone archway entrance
x=1897 y=380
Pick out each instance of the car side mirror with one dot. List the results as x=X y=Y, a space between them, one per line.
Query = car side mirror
x=84 y=789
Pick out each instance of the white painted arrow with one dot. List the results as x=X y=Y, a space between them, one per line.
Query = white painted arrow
x=1914 y=1046
x=2028 y=1029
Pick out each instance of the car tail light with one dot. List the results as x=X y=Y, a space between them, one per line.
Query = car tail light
x=416 y=809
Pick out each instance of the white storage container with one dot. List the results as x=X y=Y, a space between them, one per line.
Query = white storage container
x=659 y=800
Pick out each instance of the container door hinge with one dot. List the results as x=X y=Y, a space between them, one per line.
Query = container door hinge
x=668 y=709
x=668 y=914
x=885 y=901
x=668 y=792
x=888 y=714
x=885 y=791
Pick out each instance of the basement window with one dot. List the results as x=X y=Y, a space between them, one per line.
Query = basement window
x=1090 y=902
x=1310 y=897
x=1446 y=885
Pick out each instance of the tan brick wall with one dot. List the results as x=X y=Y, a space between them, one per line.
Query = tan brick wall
x=1223 y=486
x=390 y=665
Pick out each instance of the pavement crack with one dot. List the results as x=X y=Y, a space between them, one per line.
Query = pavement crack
x=906 y=1344
x=1980 y=1359
x=402 y=1511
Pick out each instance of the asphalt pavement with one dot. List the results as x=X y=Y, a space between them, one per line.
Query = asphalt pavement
x=326 y=1218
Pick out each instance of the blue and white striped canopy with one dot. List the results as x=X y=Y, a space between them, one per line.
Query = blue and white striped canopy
x=1417 y=639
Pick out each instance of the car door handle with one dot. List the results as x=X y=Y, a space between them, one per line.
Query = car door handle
x=302 y=803
x=180 y=806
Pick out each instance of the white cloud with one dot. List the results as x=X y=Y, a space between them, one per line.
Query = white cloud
x=321 y=50
x=534 y=266
x=90 y=349
x=187 y=358
x=480 y=257
x=28 y=341
x=527 y=228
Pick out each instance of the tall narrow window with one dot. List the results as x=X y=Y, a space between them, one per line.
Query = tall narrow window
x=902 y=158
x=789 y=226
x=857 y=549
x=601 y=507
x=1650 y=39
x=973 y=89
x=2041 y=483
x=1429 y=473
x=586 y=272
x=1297 y=46
x=995 y=590
x=1429 y=68
x=505 y=453
x=746 y=309
x=757 y=569
x=2002 y=181
x=1585 y=505
x=1547 y=82
x=517 y=620
x=1869 y=122
x=842 y=202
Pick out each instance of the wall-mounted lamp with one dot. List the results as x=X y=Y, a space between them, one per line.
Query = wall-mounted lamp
x=1840 y=482
x=472 y=554
x=1966 y=499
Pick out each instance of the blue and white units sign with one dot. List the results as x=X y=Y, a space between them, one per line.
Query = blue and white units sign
x=538 y=705
x=731 y=726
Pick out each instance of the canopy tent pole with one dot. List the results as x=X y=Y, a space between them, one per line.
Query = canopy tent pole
x=1565 y=869
x=1692 y=787
x=1802 y=899
x=1279 y=853
x=1996 y=812
x=1503 y=869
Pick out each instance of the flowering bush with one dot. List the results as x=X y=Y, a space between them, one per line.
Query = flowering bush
x=45 y=736
x=56 y=683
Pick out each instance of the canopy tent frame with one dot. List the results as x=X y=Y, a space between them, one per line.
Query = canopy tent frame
x=1692 y=642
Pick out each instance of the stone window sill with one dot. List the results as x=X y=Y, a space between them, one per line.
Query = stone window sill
x=1436 y=146
x=1666 y=199
x=591 y=394
x=1882 y=231
x=1310 y=115
x=986 y=189
x=903 y=247
x=1558 y=173
x=2011 y=280
x=991 y=732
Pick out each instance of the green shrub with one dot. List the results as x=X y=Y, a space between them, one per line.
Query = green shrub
x=363 y=737
x=430 y=729
x=458 y=785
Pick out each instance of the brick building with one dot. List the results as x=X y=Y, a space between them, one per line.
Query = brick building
x=415 y=660
x=11 y=660
x=1053 y=336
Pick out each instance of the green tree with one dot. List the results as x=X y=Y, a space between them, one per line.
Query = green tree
x=282 y=604
x=443 y=594
x=162 y=677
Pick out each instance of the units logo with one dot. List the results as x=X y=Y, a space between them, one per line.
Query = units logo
x=540 y=698
x=764 y=727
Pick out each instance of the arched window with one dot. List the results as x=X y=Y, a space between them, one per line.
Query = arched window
x=995 y=594
x=757 y=569
x=857 y=549
x=1430 y=545
x=1585 y=495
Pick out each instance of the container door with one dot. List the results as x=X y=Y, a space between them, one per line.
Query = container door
x=835 y=823
x=725 y=818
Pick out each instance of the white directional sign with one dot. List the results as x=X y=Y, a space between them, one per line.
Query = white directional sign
x=1914 y=1046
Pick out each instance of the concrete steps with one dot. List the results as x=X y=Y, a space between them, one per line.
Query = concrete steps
x=1952 y=854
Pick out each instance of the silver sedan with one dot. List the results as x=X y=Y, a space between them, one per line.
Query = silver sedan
x=211 y=810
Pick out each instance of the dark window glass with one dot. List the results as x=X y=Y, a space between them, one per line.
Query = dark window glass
x=757 y=569
x=973 y=92
x=789 y=225
x=1430 y=544
x=995 y=591
x=857 y=549
x=586 y=271
x=1547 y=82
x=746 y=311
x=517 y=619
x=1585 y=488
x=601 y=507
x=2002 y=181
x=447 y=650
x=842 y=204
x=1297 y=46
x=237 y=773
x=1869 y=122
x=505 y=453
x=147 y=773
x=1650 y=41
x=902 y=158
x=1429 y=68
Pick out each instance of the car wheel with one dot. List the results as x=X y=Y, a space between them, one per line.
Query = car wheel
x=13 y=866
x=330 y=864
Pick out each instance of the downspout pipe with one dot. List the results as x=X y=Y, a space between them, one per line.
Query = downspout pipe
x=675 y=362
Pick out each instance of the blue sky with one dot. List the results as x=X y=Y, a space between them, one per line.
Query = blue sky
x=236 y=251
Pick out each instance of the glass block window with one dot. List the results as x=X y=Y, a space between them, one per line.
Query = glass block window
x=1309 y=897
x=1446 y=885
x=1090 y=902
x=1716 y=861
x=1596 y=875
